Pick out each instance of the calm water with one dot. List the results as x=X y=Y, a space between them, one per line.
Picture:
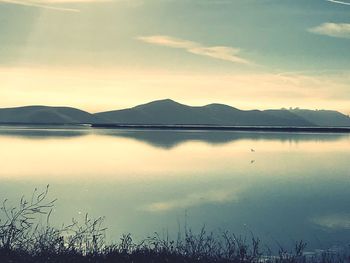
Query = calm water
x=294 y=186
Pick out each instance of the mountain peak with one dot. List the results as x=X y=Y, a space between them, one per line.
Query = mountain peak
x=220 y=106
x=161 y=103
x=165 y=101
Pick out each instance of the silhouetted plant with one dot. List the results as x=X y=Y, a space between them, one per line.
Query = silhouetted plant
x=88 y=238
x=18 y=226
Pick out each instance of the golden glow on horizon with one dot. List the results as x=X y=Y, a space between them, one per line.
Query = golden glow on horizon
x=97 y=90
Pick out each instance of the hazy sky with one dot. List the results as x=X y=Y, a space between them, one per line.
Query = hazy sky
x=108 y=54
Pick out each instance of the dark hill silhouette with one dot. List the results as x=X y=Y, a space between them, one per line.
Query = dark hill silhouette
x=46 y=115
x=171 y=112
x=158 y=112
x=323 y=117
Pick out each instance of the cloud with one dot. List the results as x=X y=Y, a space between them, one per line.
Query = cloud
x=341 y=30
x=51 y=4
x=40 y=4
x=217 y=52
x=339 y=2
x=47 y=2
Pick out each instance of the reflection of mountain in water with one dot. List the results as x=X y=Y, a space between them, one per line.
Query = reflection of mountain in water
x=166 y=139
x=43 y=133
x=170 y=139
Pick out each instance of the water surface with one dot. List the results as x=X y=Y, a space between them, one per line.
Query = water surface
x=282 y=187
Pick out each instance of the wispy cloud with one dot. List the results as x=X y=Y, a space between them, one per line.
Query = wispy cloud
x=40 y=4
x=51 y=4
x=217 y=52
x=341 y=30
x=339 y=2
x=45 y=2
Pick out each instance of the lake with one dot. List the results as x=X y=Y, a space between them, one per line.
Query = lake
x=282 y=187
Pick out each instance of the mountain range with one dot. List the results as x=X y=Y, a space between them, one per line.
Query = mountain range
x=169 y=112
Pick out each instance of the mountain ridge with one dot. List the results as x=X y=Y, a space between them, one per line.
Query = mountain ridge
x=39 y=114
x=170 y=112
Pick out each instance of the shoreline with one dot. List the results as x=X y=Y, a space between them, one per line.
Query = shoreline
x=226 y=128
x=284 y=129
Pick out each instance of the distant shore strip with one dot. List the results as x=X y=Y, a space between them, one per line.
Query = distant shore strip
x=227 y=128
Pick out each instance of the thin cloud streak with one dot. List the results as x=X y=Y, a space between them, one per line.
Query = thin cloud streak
x=340 y=30
x=71 y=1
x=50 y=4
x=338 y=2
x=38 y=5
x=217 y=52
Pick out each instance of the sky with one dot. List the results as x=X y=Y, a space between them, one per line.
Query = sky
x=100 y=55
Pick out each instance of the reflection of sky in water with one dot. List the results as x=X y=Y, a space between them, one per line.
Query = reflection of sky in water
x=293 y=186
x=333 y=221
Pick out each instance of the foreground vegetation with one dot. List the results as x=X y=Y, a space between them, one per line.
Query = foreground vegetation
x=23 y=239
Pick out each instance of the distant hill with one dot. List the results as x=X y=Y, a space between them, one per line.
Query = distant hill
x=169 y=112
x=47 y=115
x=323 y=117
